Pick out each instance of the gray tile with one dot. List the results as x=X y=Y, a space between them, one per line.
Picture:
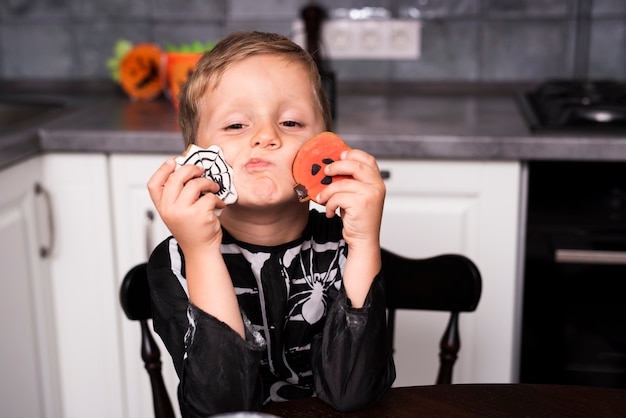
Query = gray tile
x=196 y=10
x=361 y=70
x=449 y=52
x=277 y=26
x=102 y=8
x=487 y=40
x=610 y=8
x=527 y=8
x=20 y=10
x=355 y=4
x=429 y=9
x=43 y=51
x=96 y=40
x=608 y=49
x=174 y=33
x=525 y=50
x=264 y=10
x=332 y=6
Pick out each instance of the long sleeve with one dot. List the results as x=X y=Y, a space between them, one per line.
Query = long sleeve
x=352 y=364
x=218 y=370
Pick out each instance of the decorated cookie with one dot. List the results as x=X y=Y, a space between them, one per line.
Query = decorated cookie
x=310 y=161
x=215 y=167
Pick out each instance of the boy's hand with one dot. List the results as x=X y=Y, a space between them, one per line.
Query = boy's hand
x=359 y=199
x=186 y=202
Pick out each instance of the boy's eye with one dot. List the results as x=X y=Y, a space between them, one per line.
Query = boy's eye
x=291 y=124
x=235 y=126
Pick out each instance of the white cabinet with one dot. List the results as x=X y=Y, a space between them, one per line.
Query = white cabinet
x=29 y=377
x=84 y=287
x=60 y=351
x=72 y=350
x=471 y=208
x=137 y=230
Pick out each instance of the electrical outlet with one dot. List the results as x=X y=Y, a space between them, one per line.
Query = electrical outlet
x=382 y=39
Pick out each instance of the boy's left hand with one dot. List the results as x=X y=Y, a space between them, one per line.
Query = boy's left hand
x=359 y=199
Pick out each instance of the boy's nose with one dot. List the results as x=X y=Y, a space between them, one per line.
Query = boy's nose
x=267 y=138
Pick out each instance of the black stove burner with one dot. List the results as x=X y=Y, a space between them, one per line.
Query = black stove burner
x=567 y=106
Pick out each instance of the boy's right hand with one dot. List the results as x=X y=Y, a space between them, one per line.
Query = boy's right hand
x=186 y=202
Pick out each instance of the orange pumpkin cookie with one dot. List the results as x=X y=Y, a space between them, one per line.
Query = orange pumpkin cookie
x=308 y=166
x=139 y=72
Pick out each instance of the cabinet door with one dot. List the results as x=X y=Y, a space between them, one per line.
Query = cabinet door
x=30 y=384
x=83 y=282
x=138 y=229
x=471 y=208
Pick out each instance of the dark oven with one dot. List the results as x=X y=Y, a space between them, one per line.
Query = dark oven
x=574 y=302
x=574 y=309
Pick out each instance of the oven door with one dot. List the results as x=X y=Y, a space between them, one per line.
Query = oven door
x=574 y=301
x=574 y=325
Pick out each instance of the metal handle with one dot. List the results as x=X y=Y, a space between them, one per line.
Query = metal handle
x=385 y=174
x=149 y=228
x=589 y=256
x=46 y=250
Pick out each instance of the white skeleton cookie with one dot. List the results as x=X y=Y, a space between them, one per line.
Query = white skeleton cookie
x=215 y=167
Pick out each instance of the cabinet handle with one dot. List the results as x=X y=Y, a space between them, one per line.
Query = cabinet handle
x=46 y=250
x=149 y=228
x=589 y=256
x=385 y=174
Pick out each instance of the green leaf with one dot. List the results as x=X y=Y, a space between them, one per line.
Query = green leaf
x=120 y=49
x=195 y=46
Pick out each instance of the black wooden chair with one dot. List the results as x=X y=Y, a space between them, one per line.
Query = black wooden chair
x=135 y=301
x=448 y=282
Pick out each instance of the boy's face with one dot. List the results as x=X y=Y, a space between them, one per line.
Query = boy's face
x=261 y=112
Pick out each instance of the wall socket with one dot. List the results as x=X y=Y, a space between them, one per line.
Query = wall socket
x=378 y=39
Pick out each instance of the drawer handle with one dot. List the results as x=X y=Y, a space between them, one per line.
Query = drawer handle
x=148 y=235
x=589 y=256
x=46 y=250
x=385 y=174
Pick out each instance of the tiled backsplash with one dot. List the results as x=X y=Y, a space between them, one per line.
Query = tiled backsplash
x=462 y=40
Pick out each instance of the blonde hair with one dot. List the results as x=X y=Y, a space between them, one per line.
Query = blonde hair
x=234 y=48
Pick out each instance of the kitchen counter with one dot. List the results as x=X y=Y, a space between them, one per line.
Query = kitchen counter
x=387 y=124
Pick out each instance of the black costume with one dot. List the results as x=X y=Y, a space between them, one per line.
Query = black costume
x=302 y=336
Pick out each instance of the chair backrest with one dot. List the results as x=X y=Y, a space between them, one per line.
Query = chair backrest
x=135 y=301
x=449 y=282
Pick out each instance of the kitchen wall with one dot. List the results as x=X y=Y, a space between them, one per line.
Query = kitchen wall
x=463 y=40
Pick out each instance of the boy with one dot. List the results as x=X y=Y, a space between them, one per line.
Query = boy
x=267 y=301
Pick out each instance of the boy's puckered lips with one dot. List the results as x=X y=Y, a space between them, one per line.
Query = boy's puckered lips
x=257 y=164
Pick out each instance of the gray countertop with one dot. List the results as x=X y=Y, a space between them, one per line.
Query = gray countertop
x=422 y=125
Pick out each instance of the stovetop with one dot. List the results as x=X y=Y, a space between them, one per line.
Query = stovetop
x=576 y=106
